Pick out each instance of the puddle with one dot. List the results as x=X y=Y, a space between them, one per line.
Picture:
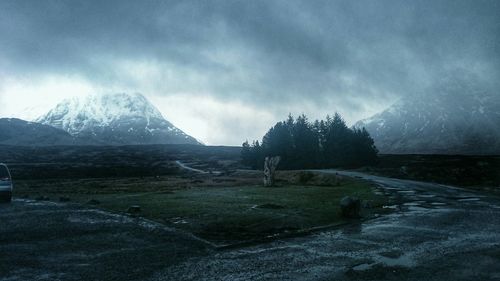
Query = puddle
x=363 y=266
x=469 y=199
x=41 y=203
x=178 y=220
x=404 y=261
x=438 y=203
x=412 y=204
x=415 y=208
x=406 y=191
x=427 y=195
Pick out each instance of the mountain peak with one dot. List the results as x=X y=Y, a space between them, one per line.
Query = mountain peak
x=99 y=109
x=117 y=118
x=468 y=123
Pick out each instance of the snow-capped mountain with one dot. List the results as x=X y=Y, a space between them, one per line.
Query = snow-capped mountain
x=15 y=131
x=455 y=120
x=114 y=119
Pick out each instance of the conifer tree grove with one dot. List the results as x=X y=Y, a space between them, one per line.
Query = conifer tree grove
x=301 y=144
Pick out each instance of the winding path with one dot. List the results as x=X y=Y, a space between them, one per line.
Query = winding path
x=184 y=166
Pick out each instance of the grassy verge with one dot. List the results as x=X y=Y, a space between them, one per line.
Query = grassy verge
x=225 y=212
x=473 y=172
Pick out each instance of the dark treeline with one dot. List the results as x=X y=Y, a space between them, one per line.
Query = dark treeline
x=303 y=145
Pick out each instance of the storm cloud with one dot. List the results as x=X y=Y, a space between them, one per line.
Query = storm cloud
x=226 y=70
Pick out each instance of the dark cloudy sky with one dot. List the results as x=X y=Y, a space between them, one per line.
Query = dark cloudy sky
x=225 y=71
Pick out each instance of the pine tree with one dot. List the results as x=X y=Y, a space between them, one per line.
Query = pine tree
x=306 y=144
x=337 y=137
x=258 y=156
x=247 y=157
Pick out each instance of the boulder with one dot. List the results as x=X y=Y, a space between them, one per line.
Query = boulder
x=134 y=209
x=350 y=207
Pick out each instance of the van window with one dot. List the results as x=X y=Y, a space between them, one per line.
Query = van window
x=3 y=172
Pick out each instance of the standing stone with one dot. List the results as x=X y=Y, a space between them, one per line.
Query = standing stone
x=270 y=164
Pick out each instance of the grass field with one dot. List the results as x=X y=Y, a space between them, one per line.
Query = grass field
x=227 y=205
x=223 y=210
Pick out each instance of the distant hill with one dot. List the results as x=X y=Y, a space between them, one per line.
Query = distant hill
x=19 y=132
x=114 y=119
x=455 y=120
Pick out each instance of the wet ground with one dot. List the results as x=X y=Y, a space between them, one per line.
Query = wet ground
x=42 y=240
x=435 y=232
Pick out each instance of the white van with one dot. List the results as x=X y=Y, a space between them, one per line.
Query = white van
x=5 y=183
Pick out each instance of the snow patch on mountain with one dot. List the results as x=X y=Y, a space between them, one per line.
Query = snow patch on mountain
x=117 y=118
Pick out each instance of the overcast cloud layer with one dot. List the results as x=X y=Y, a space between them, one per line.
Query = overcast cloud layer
x=225 y=71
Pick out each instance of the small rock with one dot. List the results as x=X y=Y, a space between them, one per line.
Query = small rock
x=134 y=209
x=64 y=199
x=350 y=207
x=93 y=202
x=403 y=170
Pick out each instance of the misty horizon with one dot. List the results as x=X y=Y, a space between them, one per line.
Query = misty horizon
x=224 y=72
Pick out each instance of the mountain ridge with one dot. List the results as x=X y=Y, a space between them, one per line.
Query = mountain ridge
x=14 y=131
